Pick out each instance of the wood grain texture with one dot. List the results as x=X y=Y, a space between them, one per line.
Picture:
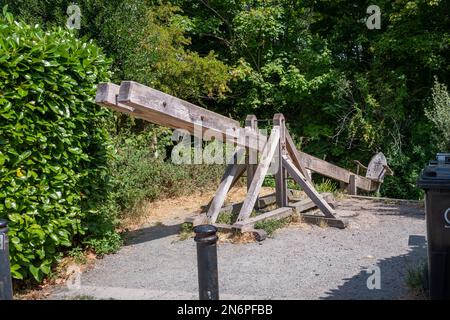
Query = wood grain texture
x=258 y=179
x=232 y=171
x=332 y=171
x=160 y=108
x=308 y=188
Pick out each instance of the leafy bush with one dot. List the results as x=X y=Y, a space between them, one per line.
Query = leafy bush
x=54 y=147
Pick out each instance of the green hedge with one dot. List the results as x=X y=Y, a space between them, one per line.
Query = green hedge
x=54 y=147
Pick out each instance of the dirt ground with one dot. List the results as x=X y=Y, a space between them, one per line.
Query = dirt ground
x=165 y=211
x=301 y=261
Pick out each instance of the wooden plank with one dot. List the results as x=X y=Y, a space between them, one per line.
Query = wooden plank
x=225 y=184
x=162 y=109
x=308 y=204
x=261 y=171
x=251 y=158
x=351 y=188
x=308 y=188
x=166 y=110
x=331 y=222
x=281 y=180
x=276 y=214
x=280 y=175
x=234 y=208
x=106 y=96
x=280 y=213
x=332 y=171
x=197 y=219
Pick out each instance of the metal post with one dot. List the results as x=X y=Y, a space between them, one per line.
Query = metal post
x=208 y=281
x=6 y=292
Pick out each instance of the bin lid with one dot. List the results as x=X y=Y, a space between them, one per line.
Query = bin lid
x=437 y=174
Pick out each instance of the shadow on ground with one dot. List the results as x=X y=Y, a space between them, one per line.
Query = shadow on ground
x=393 y=273
x=150 y=234
x=408 y=209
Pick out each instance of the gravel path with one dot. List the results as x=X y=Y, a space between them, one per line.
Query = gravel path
x=299 y=262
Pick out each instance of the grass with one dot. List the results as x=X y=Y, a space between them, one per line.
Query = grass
x=415 y=279
x=186 y=231
x=78 y=255
x=326 y=186
x=227 y=217
x=271 y=225
x=322 y=224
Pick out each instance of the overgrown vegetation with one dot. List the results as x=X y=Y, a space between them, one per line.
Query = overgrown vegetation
x=416 y=279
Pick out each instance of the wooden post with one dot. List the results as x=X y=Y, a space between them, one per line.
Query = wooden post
x=351 y=188
x=251 y=159
x=261 y=171
x=281 y=175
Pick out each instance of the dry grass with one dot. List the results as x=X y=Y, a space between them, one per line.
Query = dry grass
x=236 y=237
x=178 y=208
x=322 y=224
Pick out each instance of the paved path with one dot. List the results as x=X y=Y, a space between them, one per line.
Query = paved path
x=299 y=262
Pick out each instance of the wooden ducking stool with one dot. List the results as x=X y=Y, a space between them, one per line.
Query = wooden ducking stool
x=277 y=152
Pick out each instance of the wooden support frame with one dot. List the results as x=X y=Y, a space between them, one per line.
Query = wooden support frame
x=160 y=108
x=278 y=152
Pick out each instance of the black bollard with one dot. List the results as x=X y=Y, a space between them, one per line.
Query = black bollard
x=208 y=281
x=6 y=292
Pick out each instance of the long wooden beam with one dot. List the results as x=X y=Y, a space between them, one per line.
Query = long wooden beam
x=172 y=112
x=332 y=171
x=163 y=109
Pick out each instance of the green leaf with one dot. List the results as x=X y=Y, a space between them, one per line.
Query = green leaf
x=10 y=203
x=36 y=272
x=22 y=157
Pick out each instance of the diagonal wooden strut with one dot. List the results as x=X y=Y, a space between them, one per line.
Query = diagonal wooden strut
x=295 y=156
x=308 y=188
x=261 y=171
x=232 y=173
